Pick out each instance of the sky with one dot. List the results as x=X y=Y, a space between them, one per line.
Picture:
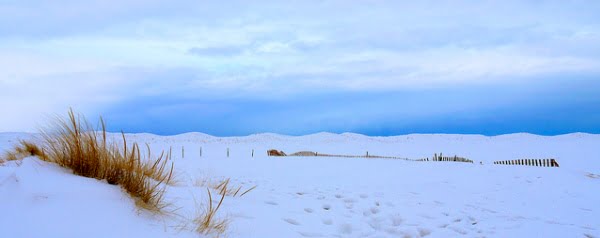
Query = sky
x=232 y=68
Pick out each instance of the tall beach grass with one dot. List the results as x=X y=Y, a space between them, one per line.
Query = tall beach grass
x=73 y=143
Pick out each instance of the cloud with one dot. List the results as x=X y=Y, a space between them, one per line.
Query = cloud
x=97 y=56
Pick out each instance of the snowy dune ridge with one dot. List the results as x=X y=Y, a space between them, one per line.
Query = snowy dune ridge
x=327 y=197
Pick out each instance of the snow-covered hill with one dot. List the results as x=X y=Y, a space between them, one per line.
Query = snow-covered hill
x=327 y=197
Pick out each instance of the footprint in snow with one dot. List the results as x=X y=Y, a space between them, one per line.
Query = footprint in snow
x=291 y=221
x=271 y=203
x=374 y=210
x=424 y=232
x=326 y=207
x=309 y=210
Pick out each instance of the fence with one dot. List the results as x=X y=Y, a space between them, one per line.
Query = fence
x=530 y=162
x=450 y=159
x=436 y=157
x=455 y=158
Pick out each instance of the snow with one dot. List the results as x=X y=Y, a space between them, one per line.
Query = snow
x=327 y=197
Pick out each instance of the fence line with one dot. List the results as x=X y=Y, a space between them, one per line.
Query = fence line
x=530 y=162
x=450 y=159
x=455 y=158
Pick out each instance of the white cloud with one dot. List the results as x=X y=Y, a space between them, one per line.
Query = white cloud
x=95 y=54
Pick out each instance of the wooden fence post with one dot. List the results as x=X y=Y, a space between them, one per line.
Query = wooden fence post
x=182 y=152
x=227 y=152
x=252 y=153
x=200 y=151
x=554 y=163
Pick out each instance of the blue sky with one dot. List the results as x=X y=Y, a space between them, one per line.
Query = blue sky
x=299 y=67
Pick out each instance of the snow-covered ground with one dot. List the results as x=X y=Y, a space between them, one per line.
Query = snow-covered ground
x=327 y=197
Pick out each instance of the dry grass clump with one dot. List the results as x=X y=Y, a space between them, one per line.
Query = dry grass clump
x=207 y=222
x=74 y=144
x=223 y=187
x=22 y=150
